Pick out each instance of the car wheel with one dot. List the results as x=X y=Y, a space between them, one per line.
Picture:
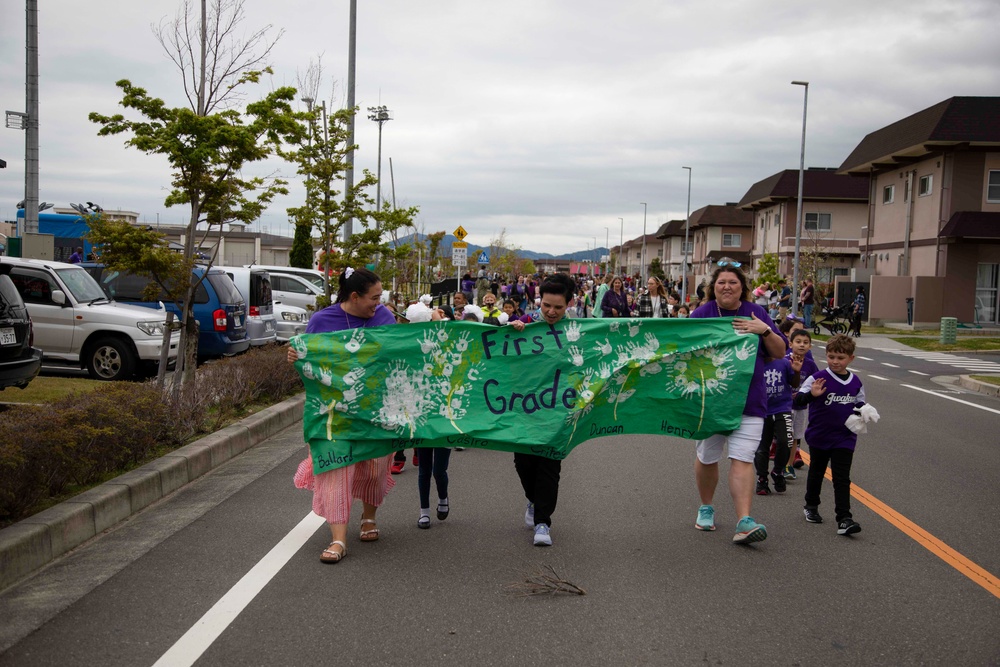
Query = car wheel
x=111 y=359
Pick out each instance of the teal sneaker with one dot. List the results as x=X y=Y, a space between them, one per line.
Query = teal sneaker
x=790 y=472
x=748 y=530
x=706 y=518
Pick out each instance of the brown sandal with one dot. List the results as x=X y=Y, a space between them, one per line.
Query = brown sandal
x=371 y=534
x=334 y=556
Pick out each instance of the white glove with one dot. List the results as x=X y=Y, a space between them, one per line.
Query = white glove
x=503 y=318
x=869 y=414
x=856 y=424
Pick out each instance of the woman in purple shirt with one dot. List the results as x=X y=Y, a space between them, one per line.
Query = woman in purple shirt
x=358 y=307
x=729 y=296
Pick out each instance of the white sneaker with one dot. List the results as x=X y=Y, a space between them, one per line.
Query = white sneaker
x=529 y=516
x=543 y=536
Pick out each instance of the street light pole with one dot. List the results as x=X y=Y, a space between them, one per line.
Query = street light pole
x=380 y=115
x=642 y=269
x=684 y=250
x=621 y=242
x=607 y=246
x=798 y=207
x=352 y=50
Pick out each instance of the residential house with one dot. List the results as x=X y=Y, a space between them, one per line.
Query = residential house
x=719 y=231
x=671 y=235
x=834 y=213
x=631 y=254
x=934 y=219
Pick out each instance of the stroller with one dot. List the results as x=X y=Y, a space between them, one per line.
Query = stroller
x=835 y=320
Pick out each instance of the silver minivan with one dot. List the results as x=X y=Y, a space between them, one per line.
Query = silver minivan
x=255 y=286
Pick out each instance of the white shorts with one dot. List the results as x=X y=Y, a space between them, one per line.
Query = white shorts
x=743 y=442
x=799 y=423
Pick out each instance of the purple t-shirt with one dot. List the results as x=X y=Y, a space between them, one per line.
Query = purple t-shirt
x=333 y=318
x=756 y=405
x=829 y=410
x=778 y=376
x=809 y=368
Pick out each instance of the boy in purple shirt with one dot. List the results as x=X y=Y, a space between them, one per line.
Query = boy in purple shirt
x=781 y=377
x=832 y=395
x=800 y=342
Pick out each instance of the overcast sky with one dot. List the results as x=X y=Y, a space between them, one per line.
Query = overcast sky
x=548 y=118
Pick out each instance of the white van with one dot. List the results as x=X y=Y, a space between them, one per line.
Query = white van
x=76 y=324
x=255 y=286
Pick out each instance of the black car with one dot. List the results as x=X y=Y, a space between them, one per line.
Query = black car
x=19 y=361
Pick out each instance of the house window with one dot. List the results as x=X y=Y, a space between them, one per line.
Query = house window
x=818 y=222
x=638 y=255
x=925 y=185
x=888 y=194
x=993 y=188
x=687 y=248
x=732 y=240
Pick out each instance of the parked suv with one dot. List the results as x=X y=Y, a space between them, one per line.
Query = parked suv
x=255 y=286
x=218 y=306
x=311 y=275
x=19 y=361
x=76 y=324
x=293 y=290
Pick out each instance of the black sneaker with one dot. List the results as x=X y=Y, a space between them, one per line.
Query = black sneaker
x=762 y=488
x=812 y=516
x=848 y=527
x=779 y=482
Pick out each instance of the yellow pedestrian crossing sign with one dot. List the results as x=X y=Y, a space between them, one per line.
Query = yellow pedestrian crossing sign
x=460 y=233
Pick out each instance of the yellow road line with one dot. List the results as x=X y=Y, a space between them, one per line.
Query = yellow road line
x=923 y=538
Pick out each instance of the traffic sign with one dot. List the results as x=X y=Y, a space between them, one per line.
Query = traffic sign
x=483 y=258
x=460 y=233
x=459 y=256
x=459 y=244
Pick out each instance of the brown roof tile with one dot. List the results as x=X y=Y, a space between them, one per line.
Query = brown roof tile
x=955 y=120
x=817 y=184
x=715 y=215
x=973 y=224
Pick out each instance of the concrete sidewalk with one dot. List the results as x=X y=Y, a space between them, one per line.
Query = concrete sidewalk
x=37 y=540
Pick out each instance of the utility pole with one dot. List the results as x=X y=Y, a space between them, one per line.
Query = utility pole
x=380 y=115
x=642 y=269
x=352 y=49
x=31 y=122
x=684 y=250
x=798 y=208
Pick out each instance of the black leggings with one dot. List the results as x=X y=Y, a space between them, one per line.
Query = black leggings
x=432 y=461
x=540 y=480
x=839 y=461
x=778 y=428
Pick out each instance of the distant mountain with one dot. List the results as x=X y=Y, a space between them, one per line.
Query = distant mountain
x=475 y=249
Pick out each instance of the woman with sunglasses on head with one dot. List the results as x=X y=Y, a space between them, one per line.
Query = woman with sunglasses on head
x=728 y=294
x=358 y=306
x=654 y=302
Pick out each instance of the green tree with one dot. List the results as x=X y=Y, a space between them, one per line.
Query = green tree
x=767 y=269
x=504 y=255
x=434 y=249
x=301 y=254
x=656 y=268
x=209 y=145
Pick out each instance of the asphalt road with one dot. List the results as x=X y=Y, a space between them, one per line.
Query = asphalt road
x=658 y=591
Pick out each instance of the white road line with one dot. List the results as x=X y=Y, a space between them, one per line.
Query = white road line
x=957 y=400
x=202 y=634
x=877 y=377
x=918 y=373
x=865 y=358
x=889 y=365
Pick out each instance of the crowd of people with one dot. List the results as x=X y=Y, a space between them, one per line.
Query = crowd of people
x=786 y=392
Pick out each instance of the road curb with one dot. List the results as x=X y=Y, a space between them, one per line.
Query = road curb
x=33 y=542
x=982 y=387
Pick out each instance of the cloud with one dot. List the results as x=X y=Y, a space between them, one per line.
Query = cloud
x=550 y=119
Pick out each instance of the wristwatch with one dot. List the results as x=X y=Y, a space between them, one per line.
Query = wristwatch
x=767 y=332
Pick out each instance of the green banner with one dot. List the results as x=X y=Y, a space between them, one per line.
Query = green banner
x=541 y=391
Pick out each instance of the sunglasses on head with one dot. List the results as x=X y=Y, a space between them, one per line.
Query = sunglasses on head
x=725 y=261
